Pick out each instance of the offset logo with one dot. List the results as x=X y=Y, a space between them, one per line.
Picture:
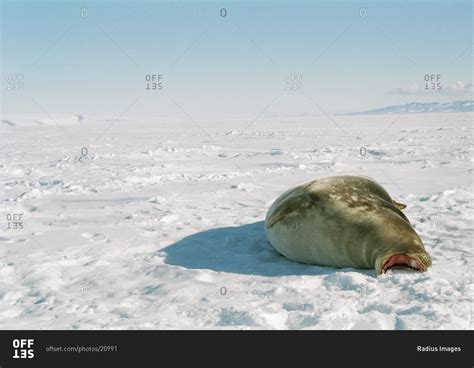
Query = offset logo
x=15 y=82
x=294 y=82
x=23 y=349
x=15 y=221
x=154 y=82
x=432 y=82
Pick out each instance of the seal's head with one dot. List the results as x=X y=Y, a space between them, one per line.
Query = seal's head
x=409 y=254
x=401 y=246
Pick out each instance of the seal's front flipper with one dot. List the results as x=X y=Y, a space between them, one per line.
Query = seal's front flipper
x=399 y=205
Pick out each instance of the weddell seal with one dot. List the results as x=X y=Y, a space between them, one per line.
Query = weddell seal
x=344 y=221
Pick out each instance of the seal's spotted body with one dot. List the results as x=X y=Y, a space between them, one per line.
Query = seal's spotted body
x=344 y=221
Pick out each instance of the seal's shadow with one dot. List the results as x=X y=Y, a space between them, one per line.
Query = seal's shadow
x=241 y=249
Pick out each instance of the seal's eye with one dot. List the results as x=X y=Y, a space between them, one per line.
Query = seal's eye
x=402 y=260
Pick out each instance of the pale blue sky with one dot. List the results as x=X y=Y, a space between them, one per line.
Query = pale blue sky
x=235 y=66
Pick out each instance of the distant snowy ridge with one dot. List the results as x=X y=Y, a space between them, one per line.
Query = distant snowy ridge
x=35 y=119
x=422 y=107
x=7 y=122
x=18 y=120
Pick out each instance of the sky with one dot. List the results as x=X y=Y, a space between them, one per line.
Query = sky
x=226 y=60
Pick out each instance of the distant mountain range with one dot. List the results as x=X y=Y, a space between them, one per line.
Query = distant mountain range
x=422 y=107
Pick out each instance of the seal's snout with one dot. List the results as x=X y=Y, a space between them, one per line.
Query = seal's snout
x=417 y=262
x=402 y=260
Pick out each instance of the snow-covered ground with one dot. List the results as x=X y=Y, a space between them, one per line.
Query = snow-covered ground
x=158 y=224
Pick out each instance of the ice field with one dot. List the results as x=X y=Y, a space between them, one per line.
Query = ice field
x=136 y=224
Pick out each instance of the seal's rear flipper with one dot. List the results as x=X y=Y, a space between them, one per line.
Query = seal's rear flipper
x=399 y=205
